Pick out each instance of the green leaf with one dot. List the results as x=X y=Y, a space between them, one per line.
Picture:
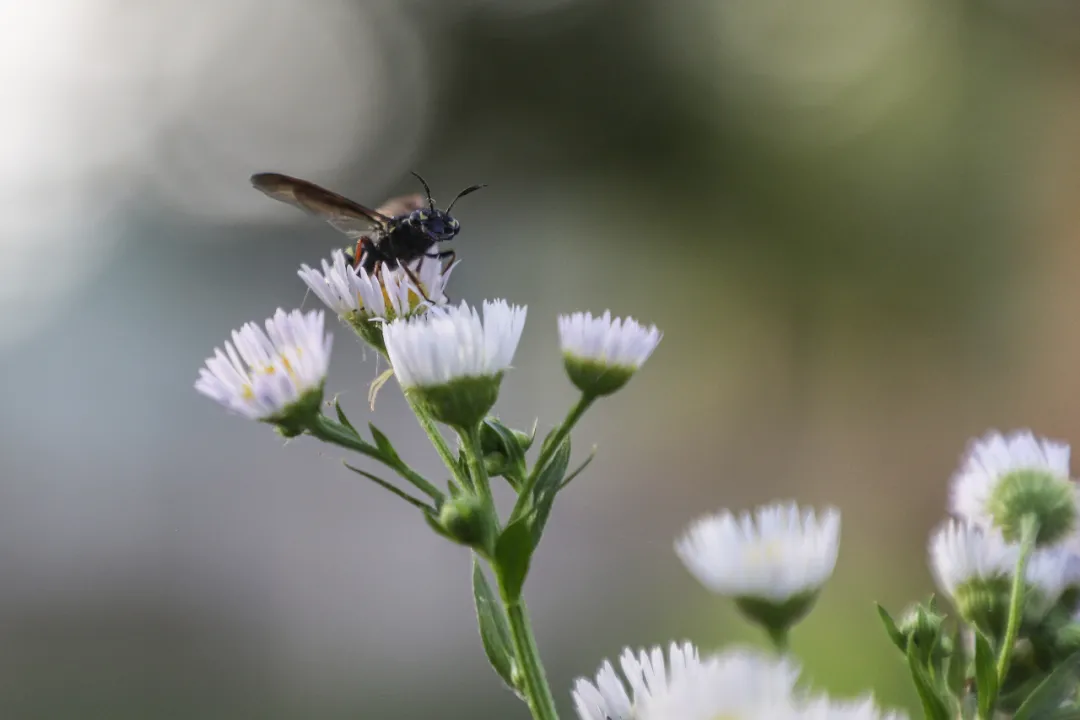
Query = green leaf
x=934 y=706
x=397 y=491
x=513 y=552
x=986 y=679
x=383 y=444
x=494 y=628
x=894 y=633
x=341 y=416
x=579 y=469
x=957 y=675
x=1052 y=691
x=1065 y=714
x=547 y=487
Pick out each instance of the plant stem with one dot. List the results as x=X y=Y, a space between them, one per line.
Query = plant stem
x=327 y=430
x=475 y=455
x=437 y=439
x=563 y=430
x=780 y=639
x=1029 y=530
x=537 y=693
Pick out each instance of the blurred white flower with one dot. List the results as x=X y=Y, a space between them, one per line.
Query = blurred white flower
x=1004 y=478
x=962 y=551
x=262 y=374
x=387 y=295
x=779 y=552
x=737 y=683
x=646 y=674
x=824 y=708
x=601 y=354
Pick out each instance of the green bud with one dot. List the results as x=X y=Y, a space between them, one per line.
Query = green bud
x=925 y=627
x=465 y=520
x=1050 y=499
x=595 y=378
x=460 y=403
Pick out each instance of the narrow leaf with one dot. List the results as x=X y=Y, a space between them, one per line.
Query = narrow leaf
x=341 y=415
x=1052 y=691
x=547 y=487
x=934 y=707
x=494 y=629
x=513 y=552
x=890 y=627
x=397 y=491
x=986 y=679
x=384 y=445
x=580 y=468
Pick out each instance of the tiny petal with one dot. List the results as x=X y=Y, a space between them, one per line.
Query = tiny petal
x=263 y=375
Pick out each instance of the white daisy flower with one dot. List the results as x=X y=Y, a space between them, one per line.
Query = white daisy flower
x=961 y=552
x=646 y=673
x=1003 y=478
x=452 y=360
x=742 y=684
x=1049 y=572
x=773 y=562
x=268 y=375
x=389 y=294
x=824 y=708
x=601 y=354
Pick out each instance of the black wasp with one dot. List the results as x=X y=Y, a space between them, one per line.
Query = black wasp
x=401 y=230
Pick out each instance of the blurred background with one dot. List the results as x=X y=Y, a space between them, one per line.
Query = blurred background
x=855 y=222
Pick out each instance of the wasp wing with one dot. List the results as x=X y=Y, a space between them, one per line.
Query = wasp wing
x=344 y=215
x=402 y=205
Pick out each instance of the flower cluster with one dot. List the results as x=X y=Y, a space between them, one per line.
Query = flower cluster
x=1008 y=561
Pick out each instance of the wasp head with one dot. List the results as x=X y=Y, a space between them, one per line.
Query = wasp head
x=439 y=225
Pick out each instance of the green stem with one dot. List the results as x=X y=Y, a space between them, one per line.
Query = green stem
x=327 y=430
x=1029 y=530
x=475 y=455
x=437 y=439
x=563 y=430
x=780 y=639
x=537 y=693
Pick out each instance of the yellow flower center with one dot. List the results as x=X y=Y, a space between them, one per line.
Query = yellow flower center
x=766 y=553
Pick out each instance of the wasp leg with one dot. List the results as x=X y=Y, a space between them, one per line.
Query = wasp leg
x=416 y=282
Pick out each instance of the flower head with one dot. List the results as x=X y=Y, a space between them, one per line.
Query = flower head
x=1004 y=478
x=276 y=375
x=773 y=562
x=602 y=354
x=364 y=299
x=973 y=566
x=742 y=683
x=738 y=683
x=452 y=360
x=646 y=674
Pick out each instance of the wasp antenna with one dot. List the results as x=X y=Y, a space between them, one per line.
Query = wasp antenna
x=463 y=193
x=431 y=202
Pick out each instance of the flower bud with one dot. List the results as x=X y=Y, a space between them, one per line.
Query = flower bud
x=465 y=520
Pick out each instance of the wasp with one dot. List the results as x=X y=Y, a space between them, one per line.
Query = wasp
x=401 y=230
